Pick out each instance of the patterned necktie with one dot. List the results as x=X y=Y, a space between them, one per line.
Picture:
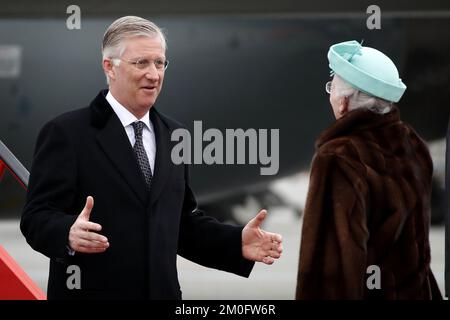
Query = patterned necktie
x=140 y=153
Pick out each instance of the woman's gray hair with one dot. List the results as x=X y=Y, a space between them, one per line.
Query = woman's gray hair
x=113 y=45
x=358 y=99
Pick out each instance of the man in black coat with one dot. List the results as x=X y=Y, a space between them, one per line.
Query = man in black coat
x=117 y=152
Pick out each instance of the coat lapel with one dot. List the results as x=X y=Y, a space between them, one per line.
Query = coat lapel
x=113 y=140
x=163 y=161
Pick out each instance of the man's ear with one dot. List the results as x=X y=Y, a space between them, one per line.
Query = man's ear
x=108 y=68
x=343 y=105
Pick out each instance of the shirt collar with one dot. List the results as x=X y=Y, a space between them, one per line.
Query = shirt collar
x=125 y=116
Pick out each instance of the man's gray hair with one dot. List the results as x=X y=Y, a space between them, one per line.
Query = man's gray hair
x=113 y=45
x=358 y=99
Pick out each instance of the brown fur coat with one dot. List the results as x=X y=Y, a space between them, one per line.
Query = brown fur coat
x=368 y=204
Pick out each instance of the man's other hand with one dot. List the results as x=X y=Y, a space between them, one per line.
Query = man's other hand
x=81 y=237
x=259 y=245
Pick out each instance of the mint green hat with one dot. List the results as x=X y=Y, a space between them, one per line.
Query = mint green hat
x=366 y=69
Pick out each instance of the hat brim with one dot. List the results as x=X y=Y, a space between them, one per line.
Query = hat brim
x=363 y=81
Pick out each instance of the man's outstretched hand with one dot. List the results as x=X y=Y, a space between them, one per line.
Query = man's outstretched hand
x=259 y=245
x=81 y=238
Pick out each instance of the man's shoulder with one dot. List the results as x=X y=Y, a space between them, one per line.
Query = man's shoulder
x=69 y=124
x=71 y=118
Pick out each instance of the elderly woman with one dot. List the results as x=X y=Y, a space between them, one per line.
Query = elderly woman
x=366 y=222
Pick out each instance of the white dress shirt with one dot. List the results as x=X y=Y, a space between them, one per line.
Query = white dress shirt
x=127 y=118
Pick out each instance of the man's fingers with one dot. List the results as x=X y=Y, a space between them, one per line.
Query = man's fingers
x=92 y=236
x=275 y=237
x=87 y=225
x=280 y=248
x=272 y=241
x=86 y=213
x=274 y=254
x=268 y=260
x=92 y=244
x=91 y=250
x=276 y=246
x=82 y=243
x=257 y=221
x=273 y=246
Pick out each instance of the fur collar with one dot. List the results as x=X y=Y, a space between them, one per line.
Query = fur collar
x=358 y=120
